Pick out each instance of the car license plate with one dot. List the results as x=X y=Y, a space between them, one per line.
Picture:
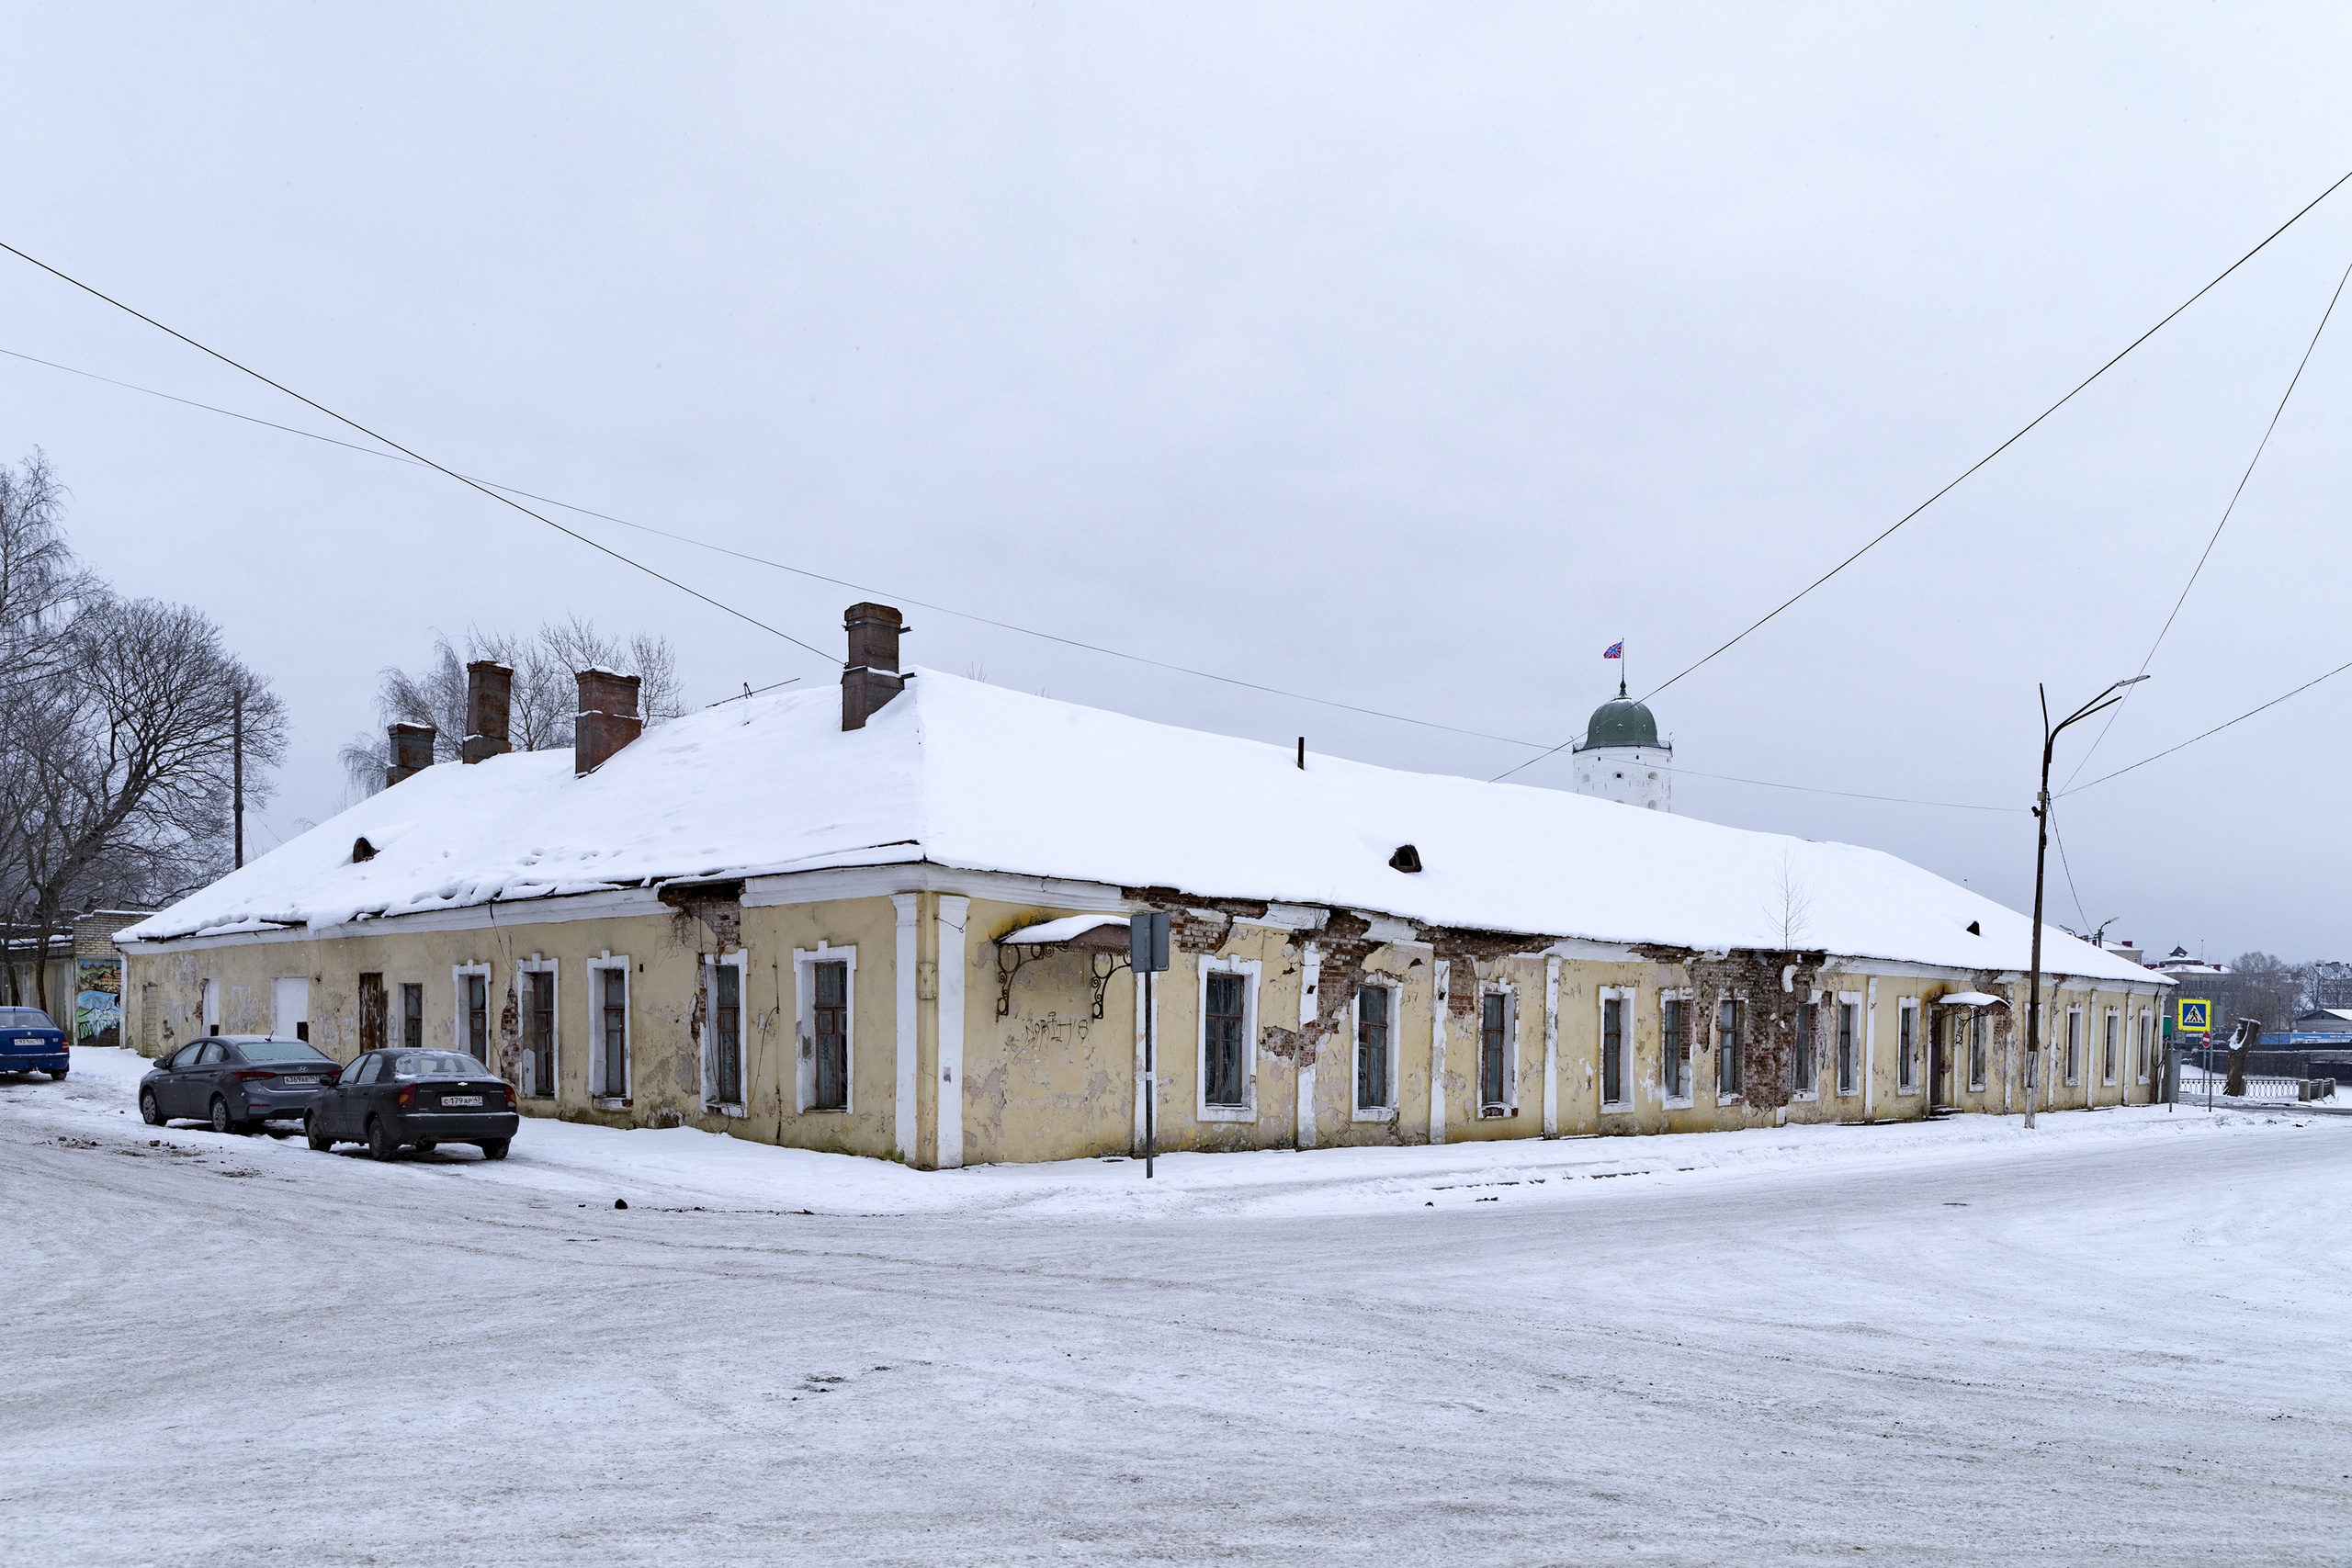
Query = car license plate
x=292 y=1082
x=459 y=1099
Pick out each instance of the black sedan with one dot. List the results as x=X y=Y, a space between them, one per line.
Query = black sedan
x=235 y=1082
x=396 y=1098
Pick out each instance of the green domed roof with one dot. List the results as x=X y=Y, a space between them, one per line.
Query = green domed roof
x=1620 y=721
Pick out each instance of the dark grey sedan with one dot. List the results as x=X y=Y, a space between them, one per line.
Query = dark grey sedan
x=235 y=1082
x=420 y=1099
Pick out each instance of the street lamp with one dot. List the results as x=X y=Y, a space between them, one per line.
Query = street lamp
x=2049 y=734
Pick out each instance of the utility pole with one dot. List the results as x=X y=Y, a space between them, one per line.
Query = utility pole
x=1147 y=952
x=2049 y=734
x=237 y=767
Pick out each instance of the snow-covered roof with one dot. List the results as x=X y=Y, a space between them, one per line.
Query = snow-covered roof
x=963 y=775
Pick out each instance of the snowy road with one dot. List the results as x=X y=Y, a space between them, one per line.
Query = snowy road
x=2126 y=1335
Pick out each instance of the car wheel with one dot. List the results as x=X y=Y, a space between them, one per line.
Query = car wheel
x=379 y=1140
x=222 y=1121
x=319 y=1140
x=58 y=1073
x=495 y=1149
x=151 y=1110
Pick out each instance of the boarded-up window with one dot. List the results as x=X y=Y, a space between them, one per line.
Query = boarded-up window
x=611 y=1056
x=830 y=1018
x=1614 y=1075
x=371 y=1012
x=538 y=1036
x=1222 y=1058
x=1677 y=1053
x=412 y=1016
x=1808 y=1020
x=1729 y=1054
x=727 y=1034
x=1494 y=1048
x=1978 y=1026
x=1907 y=1049
x=478 y=1017
x=1849 y=1066
x=1371 y=1048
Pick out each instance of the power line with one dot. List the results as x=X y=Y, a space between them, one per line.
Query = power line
x=415 y=456
x=1887 y=532
x=2260 y=448
x=2215 y=731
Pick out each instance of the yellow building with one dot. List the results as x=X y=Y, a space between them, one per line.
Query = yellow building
x=895 y=924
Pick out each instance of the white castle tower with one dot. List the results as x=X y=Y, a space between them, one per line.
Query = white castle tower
x=1620 y=758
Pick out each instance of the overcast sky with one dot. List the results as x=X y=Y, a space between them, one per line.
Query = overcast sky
x=1406 y=357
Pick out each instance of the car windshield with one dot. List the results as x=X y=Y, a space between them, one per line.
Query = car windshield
x=433 y=1064
x=280 y=1051
x=24 y=1018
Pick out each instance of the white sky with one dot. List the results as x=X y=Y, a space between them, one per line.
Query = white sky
x=1407 y=358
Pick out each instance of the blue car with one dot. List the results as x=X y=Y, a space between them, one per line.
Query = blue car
x=30 y=1043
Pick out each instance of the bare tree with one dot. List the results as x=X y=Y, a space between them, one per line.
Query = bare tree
x=1788 y=906
x=544 y=698
x=2262 y=986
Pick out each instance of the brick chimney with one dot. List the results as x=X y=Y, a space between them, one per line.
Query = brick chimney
x=608 y=719
x=871 y=677
x=411 y=751
x=490 y=693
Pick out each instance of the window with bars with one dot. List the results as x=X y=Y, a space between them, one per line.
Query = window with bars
x=1979 y=1030
x=1614 y=1075
x=1675 y=1063
x=412 y=1016
x=1808 y=1021
x=1375 y=1005
x=478 y=1017
x=1849 y=1053
x=1223 y=1059
x=538 y=1034
x=612 y=1024
x=1494 y=1053
x=829 y=1034
x=727 y=1034
x=1728 y=1051
x=1907 y=1048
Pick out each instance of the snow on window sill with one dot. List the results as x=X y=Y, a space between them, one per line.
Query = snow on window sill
x=723 y=1108
x=610 y=1102
x=1228 y=1114
x=1375 y=1113
x=1805 y=1094
x=1679 y=1102
x=1496 y=1113
x=1911 y=1093
x=1616 y=1107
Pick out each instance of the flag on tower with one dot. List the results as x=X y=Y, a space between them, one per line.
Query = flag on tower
x=1616 y=651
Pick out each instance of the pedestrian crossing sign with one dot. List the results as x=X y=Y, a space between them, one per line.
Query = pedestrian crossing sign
x=2196 y=1018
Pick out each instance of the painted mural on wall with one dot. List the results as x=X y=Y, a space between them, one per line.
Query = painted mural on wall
x=98 y=1000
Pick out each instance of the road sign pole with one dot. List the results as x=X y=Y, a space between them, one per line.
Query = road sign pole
x=1150 y=1079
x=1147 y=952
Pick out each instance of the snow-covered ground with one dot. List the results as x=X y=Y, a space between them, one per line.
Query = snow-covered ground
x=2123 y=1335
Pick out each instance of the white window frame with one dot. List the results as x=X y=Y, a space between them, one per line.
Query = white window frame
x=457 y=975
x=536 y=964
x=598 y=1045
x=738 y=961
x=1847 y=1088
x=1250 y=970
x=2110 y=1046
x=1602 y=997
x=1688 y=997
x=2146 y=1042
x=1714 y=1043
x=803 y=1029
x=1509 y=1104
x=2076 y=1028
x=1812 y=998
x=1906 y=1063
x=1396 y=989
